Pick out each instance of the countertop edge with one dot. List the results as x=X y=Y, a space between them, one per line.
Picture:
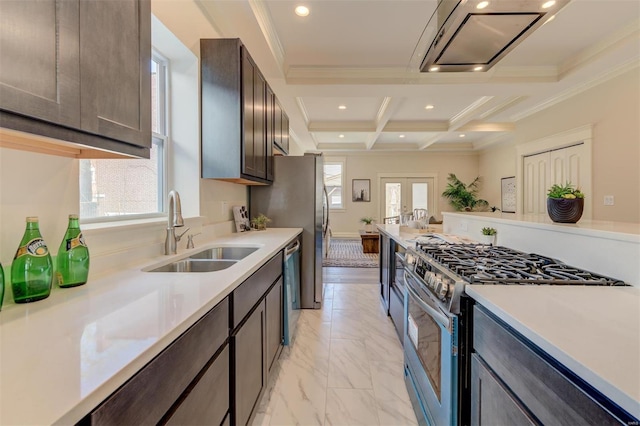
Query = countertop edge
x=608 y=389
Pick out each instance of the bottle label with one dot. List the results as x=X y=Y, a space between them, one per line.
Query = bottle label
x=75 y=242
x=35 y=247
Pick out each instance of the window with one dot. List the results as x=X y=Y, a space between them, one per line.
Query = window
x=334 y=183
x=121 y=189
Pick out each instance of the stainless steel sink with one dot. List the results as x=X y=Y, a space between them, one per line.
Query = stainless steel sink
x=227 y=253
x=193 y=265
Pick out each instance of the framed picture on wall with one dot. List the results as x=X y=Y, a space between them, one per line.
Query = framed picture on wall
x=361 y=190
x=508 y=185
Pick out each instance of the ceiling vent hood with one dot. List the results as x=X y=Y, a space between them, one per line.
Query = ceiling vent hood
x=470 y=35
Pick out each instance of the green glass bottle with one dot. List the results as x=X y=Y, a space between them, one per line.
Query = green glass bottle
x=32 y=268
x=1 y=285
x=72 y=261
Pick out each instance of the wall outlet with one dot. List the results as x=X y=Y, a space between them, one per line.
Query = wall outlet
x=464 y=225
x=608 y=200
x=225 y=208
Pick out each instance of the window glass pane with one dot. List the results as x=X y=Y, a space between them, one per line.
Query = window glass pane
x=393 y=199
x=120 y=187
x=333 y=181
x=155 y=96
x=419 y=195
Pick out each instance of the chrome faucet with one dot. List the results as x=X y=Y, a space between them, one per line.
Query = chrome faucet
x=175 y=221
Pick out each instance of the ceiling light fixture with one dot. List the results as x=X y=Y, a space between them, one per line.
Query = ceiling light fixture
x=429 y=107
x=551 y=18
x=402 y=136
x=341 y=136
x=478 y=68
x=482 y=5
x=342 y=107
x=434 y=69
x=548 y=4
x=302 y=11
x=462 y=135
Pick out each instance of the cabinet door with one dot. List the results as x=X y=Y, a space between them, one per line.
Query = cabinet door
x=277 y=123
x=207 y=402
x=285 y=132
x=250 y=364
x=42 y=77
x=248 y=142
x=259 y=125
x=274 y=301
x=491 y=403
x=270 y=136
x=115 y=58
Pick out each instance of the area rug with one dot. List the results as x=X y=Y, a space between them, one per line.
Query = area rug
x=347 y=253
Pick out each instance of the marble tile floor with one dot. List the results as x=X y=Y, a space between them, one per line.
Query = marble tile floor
x=345 y=366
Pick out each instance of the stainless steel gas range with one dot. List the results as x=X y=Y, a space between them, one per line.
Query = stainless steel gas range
x=437 y=315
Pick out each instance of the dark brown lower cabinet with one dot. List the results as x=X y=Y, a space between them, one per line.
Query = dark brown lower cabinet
x=492 y=403
x=149 y=395
x=516 y=382
x=250 y=372
x=207 y=402
x=275 y=335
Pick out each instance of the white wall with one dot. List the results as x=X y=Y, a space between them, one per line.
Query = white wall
x=369 y=165
x=613 y=108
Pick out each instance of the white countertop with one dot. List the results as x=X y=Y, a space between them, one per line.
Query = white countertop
x=62 y=356
x=593 y=331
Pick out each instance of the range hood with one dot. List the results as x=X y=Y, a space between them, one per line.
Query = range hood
x=473 y=35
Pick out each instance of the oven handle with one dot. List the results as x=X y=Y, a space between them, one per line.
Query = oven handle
x=438 y=316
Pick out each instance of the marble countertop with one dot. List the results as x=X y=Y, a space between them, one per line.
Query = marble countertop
x=62 y=356
x=408 y=239
x=593 y=331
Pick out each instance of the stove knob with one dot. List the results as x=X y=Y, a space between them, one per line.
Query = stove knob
x=443 y=290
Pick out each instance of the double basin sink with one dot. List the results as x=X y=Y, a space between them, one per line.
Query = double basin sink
x=209 y=260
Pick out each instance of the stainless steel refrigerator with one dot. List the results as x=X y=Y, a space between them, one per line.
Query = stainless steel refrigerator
x=297 y=199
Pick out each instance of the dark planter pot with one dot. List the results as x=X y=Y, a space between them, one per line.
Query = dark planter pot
x=565 y=210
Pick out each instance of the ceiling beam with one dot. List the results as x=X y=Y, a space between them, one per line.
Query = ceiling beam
x=341 y=126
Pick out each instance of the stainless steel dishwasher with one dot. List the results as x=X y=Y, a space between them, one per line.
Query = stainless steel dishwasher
x=291 y=290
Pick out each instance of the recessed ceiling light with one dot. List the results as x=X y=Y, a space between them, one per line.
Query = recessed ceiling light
x=434 y=68
x=302 y=11
x=402 y=136
x=462 y=135
x=429 y=107
x=478 y=68
x=482 y=5
x=342 y=107
x=548 y=4
x=341 y=136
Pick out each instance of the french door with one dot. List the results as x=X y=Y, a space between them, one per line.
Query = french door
x=404 y=194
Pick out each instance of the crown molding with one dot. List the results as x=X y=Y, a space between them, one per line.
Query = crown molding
x=576 y=90
x=303 y=110
x=262 y=15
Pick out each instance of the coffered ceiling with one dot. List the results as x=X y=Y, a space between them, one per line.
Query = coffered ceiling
x=365 y=56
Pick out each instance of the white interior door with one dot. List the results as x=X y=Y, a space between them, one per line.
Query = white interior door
x=404 y=194
x=553 y=167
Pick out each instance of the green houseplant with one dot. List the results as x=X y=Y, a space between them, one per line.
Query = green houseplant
x=488 y=235
x=368 y=223
x=260 y=222
x=463 y=197
x=565 y=203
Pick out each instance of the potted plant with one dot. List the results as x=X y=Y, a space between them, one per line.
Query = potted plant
x=565 y=203
x=368 y=223
x=488 y=235
x=260 y=222
x=464 y=197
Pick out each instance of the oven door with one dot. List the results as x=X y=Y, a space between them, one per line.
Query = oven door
x=431 y=358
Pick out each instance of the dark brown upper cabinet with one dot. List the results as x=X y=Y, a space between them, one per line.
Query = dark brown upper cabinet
x=75 y=74
x=239 y=115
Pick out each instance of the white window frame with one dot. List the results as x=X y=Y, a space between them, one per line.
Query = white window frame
x=342 y=163
x=161 y=140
